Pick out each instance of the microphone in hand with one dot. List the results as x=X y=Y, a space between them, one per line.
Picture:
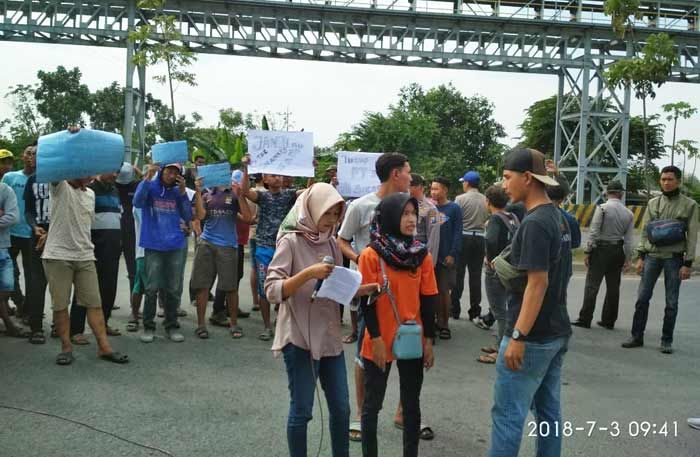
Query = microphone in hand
x=328 y=260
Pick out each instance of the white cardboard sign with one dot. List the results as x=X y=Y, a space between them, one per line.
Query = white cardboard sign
x=281 y=153
x=356 y=173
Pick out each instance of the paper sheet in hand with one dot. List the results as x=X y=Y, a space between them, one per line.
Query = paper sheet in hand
x=171 y=152
x=356 y=173
x=281 y=153
x=64 y=155
x=341 y=286
x=217 y=174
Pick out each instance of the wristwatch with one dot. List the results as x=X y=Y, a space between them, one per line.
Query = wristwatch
x=518 y=335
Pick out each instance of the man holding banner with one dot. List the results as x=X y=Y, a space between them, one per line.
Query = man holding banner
x=217 y=251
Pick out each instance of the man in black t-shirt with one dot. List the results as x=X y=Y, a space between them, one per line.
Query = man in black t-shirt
x=537 y=323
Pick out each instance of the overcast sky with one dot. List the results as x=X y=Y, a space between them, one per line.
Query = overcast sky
x=324 y=98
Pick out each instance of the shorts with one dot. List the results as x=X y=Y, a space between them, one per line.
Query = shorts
x=63 y=275
x=241 y=262
x=211 y=261
x=446 y=277
x=263 y=257
x=7 y=272
x=140 y=277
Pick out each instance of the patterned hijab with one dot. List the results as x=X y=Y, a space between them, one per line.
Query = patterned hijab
x=398 y=250
x=308 y=209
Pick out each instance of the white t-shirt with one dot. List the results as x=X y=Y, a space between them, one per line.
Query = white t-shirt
x=72 y=213
x=357 y=219
x=140 y=252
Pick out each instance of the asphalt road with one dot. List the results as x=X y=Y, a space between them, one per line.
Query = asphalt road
x=222 y=397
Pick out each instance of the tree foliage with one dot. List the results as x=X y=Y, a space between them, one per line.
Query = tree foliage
x=443 y=132
x=61 y=98
x=107 y=108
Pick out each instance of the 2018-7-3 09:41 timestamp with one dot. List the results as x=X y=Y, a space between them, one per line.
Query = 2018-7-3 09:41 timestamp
x=614 y=429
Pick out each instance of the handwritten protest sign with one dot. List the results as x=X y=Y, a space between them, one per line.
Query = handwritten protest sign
x=64 y=155
x=217 y=174
x=356 y=173
x=281 y=153
x=171 y=152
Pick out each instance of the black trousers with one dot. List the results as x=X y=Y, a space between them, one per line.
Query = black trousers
x=129 y=248
x=23 y=246
x=36 y=295
x=107 y=253
x=471 y=259
x=411 y=382
x=605 y=262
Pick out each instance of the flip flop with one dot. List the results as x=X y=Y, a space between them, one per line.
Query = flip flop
x=202 y=333
x=351 y=338
x=236 y=332
x=37 y=338
x=488 y=359
x=489 y=350
x=115 y=357
x=79 y=340
x=64 y=358
x=445 y=334
x=355 y=431
x=266 y=335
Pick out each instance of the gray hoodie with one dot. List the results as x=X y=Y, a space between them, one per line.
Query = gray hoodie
x=9 y=214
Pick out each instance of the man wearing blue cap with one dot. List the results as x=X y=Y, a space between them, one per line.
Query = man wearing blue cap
x=471 y=257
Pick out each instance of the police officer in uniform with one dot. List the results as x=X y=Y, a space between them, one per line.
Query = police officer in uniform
x=607 y=253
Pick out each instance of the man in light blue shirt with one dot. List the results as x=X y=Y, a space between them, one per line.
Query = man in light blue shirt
x=21 y=232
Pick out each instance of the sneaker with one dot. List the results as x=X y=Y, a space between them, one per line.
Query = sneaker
x=175 y=336
x=181 y=312
x=580 y=323
x=666 y=347
x=148 y=336
x=694 y=422
x=633 y=343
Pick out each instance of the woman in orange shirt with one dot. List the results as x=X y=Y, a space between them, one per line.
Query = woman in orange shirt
x=402 y=263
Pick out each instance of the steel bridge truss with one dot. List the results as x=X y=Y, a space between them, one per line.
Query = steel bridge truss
x=568 y=38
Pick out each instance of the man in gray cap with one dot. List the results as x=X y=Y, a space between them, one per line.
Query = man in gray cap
x=607 y=252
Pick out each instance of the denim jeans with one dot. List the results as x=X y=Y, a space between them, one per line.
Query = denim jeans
x=410 y=384
x=302 y=386
x=163 y=270
x=498 y=298
x=536 y=386
x=672 y=281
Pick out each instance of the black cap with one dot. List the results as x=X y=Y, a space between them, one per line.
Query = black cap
x=417 y=180
x=522 y=160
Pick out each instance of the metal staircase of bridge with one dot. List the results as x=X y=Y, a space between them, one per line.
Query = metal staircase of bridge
x=568 y=38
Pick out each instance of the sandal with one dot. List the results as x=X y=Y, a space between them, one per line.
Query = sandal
x=236 y=332
x=355 y=431
x=115 y=357
x=64 y=358
x=445 y=333
x=113 y=331
x=489 y=350
x=351 y=338
x=79 y=339
x=37 y=338
x=266 y=335
x=132 y=325
x=243 y=314
x=202 y=333
x=488 y=359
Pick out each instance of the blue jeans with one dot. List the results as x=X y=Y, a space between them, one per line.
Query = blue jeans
x=536 y=386
x=672 y=281
x=7 y=272
x=302 y=386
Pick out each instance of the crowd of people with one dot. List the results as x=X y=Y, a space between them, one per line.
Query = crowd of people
x=417 y=255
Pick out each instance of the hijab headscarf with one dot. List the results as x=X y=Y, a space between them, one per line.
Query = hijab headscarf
x=308 y=209
x=403 y=252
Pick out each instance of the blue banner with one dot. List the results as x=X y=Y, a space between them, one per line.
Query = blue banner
x=64 y=155
x=218 y=174
x=167 y=153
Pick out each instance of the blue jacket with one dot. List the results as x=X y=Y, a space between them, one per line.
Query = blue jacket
x=450 y=231
x=575 y=228
x=162 y=210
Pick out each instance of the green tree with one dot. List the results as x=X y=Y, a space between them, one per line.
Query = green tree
x=677 y=110
x=436 y=129
x=107 y=108
x=157 y=43
x=26 y=123
x=61 y=98
x=689 y=149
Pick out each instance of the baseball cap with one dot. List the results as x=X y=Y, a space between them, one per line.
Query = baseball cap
x=522 y=160
x=472 y=177
x=126 y=174
x=176 y=165
x=5 y=154
x=615 y=186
